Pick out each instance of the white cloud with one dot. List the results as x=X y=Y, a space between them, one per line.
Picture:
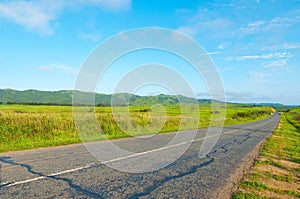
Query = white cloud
x=30 y=14
x=221 y=47
x=37 y=15
x=212 y=26
x=239 y=96
x=263 y=56
x=282 y=46
x=58 y=68
x=277 y=64
x=213 y=53
x=229 y=58
x=92 y=36
x=275 y=24
x=110 y=4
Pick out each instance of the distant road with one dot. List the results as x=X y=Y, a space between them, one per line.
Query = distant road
x=71 y=172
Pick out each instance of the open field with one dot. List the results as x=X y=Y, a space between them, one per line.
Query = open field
x=29 y=126
x=276 y=173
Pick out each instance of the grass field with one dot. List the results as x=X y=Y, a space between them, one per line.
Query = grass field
x=28 y=126
x=276 y=173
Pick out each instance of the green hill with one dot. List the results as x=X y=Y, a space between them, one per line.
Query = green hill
x=65 y=97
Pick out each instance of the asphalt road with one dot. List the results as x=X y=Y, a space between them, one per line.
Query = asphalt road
x=72 y=172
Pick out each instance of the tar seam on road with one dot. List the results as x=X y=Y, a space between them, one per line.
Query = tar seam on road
x=90 y=165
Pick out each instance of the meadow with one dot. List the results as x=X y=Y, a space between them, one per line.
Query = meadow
x=34 y=126
x=276 y=173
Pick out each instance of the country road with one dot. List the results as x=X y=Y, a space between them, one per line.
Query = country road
x=72 y=172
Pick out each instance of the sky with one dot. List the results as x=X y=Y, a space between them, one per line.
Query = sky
x=254 y=44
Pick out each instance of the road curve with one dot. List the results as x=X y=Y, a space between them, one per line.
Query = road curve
x=72 y=172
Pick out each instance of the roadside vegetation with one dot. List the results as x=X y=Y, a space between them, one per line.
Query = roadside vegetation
x=33 y=126
x=276 y=173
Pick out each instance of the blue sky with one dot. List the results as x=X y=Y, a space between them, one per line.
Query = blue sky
x=255 y=44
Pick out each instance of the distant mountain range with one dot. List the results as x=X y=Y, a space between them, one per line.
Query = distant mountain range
x=65 y=97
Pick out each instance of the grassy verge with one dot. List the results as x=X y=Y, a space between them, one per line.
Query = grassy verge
x=276 y=173
x=27 y=126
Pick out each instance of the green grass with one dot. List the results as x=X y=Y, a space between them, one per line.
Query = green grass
x=257 y=185
x=282 y=145
x=269 y=162
x=247 y=196
x=285 y=178
x=31 y=126
x=260 y=187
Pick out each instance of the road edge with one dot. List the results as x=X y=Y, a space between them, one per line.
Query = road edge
x=247 y=162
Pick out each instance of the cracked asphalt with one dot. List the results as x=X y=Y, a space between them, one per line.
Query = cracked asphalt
x=72 y=172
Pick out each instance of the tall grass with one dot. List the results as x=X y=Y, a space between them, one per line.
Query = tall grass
x=31 y=130
x=27 y=126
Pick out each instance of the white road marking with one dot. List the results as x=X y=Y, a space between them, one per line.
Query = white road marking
x=90 y=165
x=10 y=184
